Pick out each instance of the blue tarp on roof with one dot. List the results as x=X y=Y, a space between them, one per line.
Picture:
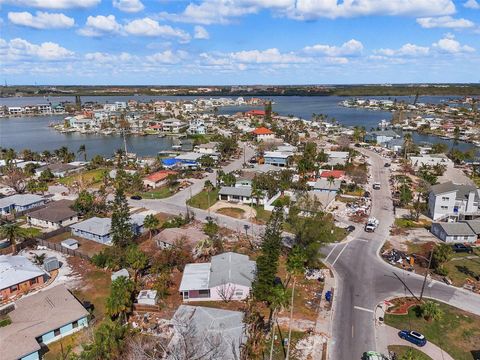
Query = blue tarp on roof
x=170 y=161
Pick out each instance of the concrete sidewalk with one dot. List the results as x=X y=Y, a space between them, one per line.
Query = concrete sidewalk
x=323 y=325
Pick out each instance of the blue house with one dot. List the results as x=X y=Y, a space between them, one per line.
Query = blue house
x=20 y=202
x=277 y=158
x=98 y=229
x=41 y=319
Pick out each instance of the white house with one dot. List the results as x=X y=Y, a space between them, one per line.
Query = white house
x=239 y=194
x=20 y=202
x=172 y=126
x=228 y=276
x=452 y=202
x=430 y=160
x=263 y=134
x=54 y=216
x=459 y=232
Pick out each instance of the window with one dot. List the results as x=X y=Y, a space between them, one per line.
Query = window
x=33 y=281
x=444 y=207
x=56 y=332
x=445 y=198
x=13 y=288
x=75 y=324
x=465 y=238
x=239 y=293
x=203 y=292
x=455 y=237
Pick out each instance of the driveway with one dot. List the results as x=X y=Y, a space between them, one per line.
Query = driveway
x=388 y=335
x=248 y=212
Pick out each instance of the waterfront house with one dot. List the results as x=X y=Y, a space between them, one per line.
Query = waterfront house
x=55 y=215
x=189 y=159
x=20 y=202
x=157 y=179
x=228 y=276
x=277 y=158
x=213 y=331
x=263 y=134
x=381 y=137
x=15 y=110
x=58 y=170
x=209 y=148
x=39 y=320
x=459 y=232
x=172 y=126
x=430 y=160
x=19 y=275
x=98 y=229
x=197 y=127
x=453 y=202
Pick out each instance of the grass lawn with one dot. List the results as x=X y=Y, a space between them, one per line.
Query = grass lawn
x=31 y=232
x=201 y=200
x=402 y=350
x=90 y=177
x=458 y=332
x=460 y=270
x=262 y=214
x=410 y=224
x=232 y=212
x=160 y=193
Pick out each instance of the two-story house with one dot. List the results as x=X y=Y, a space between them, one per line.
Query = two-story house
x=453 y=202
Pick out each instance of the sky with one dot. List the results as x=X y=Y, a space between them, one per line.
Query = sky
x=237 y=42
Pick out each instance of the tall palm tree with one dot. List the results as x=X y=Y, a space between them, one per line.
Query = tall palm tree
x=83 y=150
x=407 y=143
x=151 y=223
x=120 y=300
x=278 y=300
x=13 y=232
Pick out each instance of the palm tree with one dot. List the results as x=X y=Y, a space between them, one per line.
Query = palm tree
x=119 y=302
x=431 y=311
x=407 y=143
x=13 y=233
x=278 y=299
x=331 y=181
x=151 y=223
x=83 y=150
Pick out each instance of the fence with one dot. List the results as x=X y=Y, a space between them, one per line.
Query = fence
x=60 y=248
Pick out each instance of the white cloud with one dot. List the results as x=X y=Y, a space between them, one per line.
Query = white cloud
x=100 y=57
x=451 y=46
x=149 y=27
x=53 y=4
x=17 y=49
x=472 y=4
x=41 y=20
x=100 y=25
x=201 y=33
x=350 y=48
x=410 y=50
x=269 y=56
x=130 y=6
x=168 y=57
x=223 y=11
x=445 y=22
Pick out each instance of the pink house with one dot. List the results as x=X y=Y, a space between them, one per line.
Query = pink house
x=228 y=276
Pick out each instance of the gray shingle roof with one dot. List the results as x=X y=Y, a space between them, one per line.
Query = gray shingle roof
x=474 y=225
x=232 y=268
x=455 y=229
x=55 y=211
x=462 y=191
x=236 y=191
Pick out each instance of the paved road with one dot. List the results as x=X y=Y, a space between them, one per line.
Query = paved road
x=364 y=279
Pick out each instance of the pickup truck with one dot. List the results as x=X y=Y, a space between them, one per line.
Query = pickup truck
x=371 y=225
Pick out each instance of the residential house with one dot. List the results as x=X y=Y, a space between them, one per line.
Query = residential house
x=336 y=174
x=209 y=148
x=381 y=137
x=337 y=157
x=189 y=159
x=454 y=232
x=39 y=320
x=167 y=238
x=54 y=216
x=157 y=179
x=20 y=202
x=197 y=127
x=263 y=134
x=228 y=276
x=449 y=201
x=219 y=333
x=172 y=126
x=19 y=275
x=98 y=229
x=238 y=194
x=59 y=170
x=245 y=179
x=396 y=145
x=277 y=158
x=430 y=160
x=15 y=110
x=324 y=185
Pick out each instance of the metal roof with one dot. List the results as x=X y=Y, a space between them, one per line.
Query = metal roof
x=17 y=269
x=195 y=277
x=231 y=268
x=236 y=191
x=20 y=200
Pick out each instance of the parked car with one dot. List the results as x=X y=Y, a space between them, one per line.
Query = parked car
x=209 y=170
x=413 y=337
x=136 y=197
x=376 y=186
x=350 y=228
x=459 y=248
x=387 y=165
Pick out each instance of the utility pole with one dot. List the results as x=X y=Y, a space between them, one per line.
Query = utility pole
x=426 y=273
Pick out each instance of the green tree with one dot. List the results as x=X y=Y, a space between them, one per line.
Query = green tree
x=120 y=300
x=35 y=186
x=405 y=195
x=409 y=355
x=151 y=223
x=108 y=342
x=441 y=254
x=46 y=175
x=13 y=233
x=121 y=229
x=431 y=311
x=137 y=260
x=211 y=229
x=207 y=161
x=84 y=203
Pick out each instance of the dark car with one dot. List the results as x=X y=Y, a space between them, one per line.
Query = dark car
x=413 y=337
x=209 y=170
x=350 y=228
x=462 y=248
x=136 y=197
x=387 y=165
